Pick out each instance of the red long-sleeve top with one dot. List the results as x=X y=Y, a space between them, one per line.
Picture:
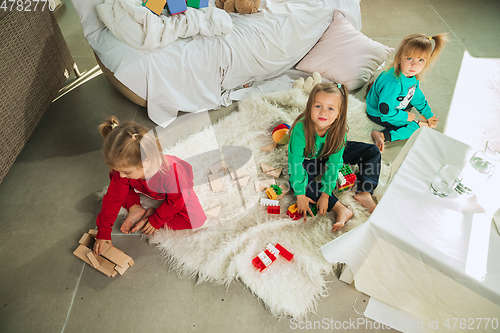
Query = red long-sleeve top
x=173 y=184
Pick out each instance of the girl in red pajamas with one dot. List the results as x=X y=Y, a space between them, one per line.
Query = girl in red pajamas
x=138 y=166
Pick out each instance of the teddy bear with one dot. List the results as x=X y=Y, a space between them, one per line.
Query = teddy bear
x=308 y=84
x=239 y=6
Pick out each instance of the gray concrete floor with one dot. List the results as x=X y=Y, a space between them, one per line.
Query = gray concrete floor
x=47 y=200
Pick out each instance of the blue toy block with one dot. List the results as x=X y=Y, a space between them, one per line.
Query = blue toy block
x=176 y=6
x=197 y=3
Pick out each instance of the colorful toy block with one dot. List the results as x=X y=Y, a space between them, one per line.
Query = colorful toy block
x=273 y=210
x=176 y=6
x=346 y=178
x=271 y=194
x=263 y=260
x=293 y=213
x=284 y=252
x=314 y=210
x=197 y=3
x=268 y=202
x=110 y=262
x=156 y=6
x=269 y=255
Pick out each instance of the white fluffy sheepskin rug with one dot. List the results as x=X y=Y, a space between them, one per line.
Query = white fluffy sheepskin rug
x=222 y=251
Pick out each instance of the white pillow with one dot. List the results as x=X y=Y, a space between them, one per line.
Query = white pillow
x=345 y=55
x=88 y=15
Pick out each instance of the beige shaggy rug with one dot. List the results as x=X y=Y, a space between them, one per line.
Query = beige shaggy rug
x=222 y=251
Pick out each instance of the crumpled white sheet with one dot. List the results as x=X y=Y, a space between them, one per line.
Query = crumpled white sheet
x=138 y=27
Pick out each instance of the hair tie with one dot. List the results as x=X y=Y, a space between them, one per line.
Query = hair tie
x=430 y=38
x=113 y=125
x=134 y=136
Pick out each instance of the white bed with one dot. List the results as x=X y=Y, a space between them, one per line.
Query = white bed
x=196 y=73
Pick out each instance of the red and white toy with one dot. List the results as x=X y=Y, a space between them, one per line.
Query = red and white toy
x=268 y=256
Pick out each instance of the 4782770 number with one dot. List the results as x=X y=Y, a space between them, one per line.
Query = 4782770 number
x=27 y=5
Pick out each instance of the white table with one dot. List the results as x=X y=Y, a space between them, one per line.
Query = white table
x=434 y=258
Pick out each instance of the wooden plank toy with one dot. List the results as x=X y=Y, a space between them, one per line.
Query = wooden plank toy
x=110 y=262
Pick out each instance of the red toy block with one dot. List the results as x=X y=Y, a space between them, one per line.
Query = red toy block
x=284 y=252
x=293 y=213
x=263 y=259
x=273 y=209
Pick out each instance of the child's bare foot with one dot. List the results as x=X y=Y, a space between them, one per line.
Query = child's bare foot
x=343 y=214
x=379 y=139
x=135 y=213
x=366 y=200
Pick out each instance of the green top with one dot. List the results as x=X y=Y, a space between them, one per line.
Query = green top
x=390 y=95
x=298 y=175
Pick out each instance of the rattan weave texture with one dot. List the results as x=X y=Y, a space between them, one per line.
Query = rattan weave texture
x=34 y=64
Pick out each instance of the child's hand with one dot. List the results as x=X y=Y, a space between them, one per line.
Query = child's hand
x=432 y=121
x=303 y=205
x=411 y=116
x=98 y=245
x=149 y=230
x=323 y=203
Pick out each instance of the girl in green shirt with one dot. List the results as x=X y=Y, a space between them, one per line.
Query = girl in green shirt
x=318 y=146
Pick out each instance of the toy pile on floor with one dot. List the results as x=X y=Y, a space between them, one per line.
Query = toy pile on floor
x=231 y=176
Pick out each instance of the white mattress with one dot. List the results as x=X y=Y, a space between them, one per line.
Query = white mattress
x=192 y=74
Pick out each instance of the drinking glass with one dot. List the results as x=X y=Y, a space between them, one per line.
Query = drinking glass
x=445 y=180
x=480 y=168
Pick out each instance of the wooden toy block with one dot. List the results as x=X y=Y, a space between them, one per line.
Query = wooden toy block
x=117 y=256
x=274 y=173
x=105 y=266
x=219 y=166
x=261 y=185
x=235 y=174
x=242 y=181
x=156 y=6
x=176 y=6
x=266 y=168
x=84 y=239
x=284 y=191
x=423 y=122
x=121 y=270
x=214 y=212
x=268 y=202
x=111 y=261
x=197 y=3
x=215 y=182
x=93 y=260
x=269 y=148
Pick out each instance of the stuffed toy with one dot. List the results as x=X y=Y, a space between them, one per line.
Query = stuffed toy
x=239 y=6
x=309 y=83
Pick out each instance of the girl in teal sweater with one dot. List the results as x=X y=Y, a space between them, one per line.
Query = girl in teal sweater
x=396 y=90
x=318 y=146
